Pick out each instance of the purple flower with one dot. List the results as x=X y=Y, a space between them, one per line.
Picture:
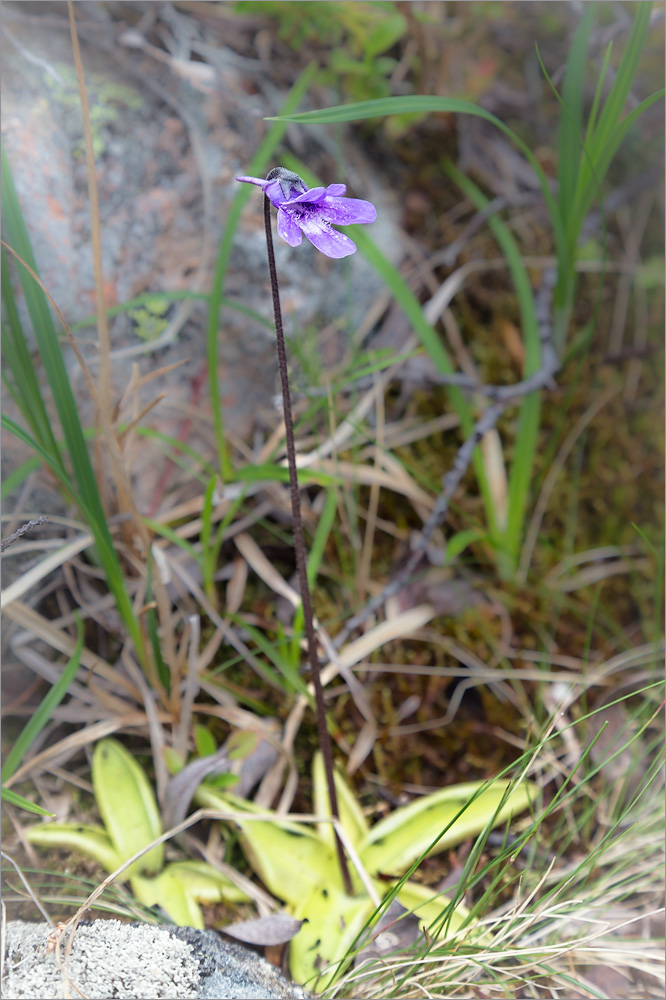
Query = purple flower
x=312 y=211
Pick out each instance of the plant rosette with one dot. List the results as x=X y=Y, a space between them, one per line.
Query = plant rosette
x=131 y=818
x=297 y=862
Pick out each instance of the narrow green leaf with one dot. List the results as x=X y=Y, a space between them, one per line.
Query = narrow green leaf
x=520 y=475
x=571 y=118
x=14 y=799
x=88 y=496
x=43 y=714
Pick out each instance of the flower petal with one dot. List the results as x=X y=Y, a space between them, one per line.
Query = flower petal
x=345 y=211
x=336 y=190
x=329 y=241
x=312 y=194
x=288 y=229
x=274 y=192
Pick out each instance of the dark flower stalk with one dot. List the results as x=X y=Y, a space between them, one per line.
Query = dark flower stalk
x=310 y=211
x=299 y=549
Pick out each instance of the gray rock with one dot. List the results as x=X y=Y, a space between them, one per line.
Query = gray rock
x=112 y=959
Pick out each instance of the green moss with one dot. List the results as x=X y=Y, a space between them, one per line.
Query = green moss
x=107 y=99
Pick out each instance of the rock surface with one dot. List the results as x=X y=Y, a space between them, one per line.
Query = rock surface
x=113 y=959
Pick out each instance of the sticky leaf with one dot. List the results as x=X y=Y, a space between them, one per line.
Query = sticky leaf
x=127 y=805
x=92 y=841
x=351 y=814
x=400 y=838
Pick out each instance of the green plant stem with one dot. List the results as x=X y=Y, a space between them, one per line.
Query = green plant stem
x=299 y=548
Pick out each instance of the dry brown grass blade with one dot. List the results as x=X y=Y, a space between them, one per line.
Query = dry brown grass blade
x=182 y=733
x=227 y=632
x=264 y=569
x=157 y=741
x=55 y=637
x=261 y=899
x=363 y=576
x=47 y=565
x=395 y=628
x=136 y=420
x=68 y=746
x=366 y=475
x=236 y=586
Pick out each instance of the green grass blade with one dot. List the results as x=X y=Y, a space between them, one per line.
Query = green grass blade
x=623 y=82
x=166 y=532
x=528 y=421
x=10 y=425
x=42 y=716
x=571 y=118
x=88 y=496
x=24 y=378
x=596 y=103
x=593 y=170
x=286 y=678
x=426 y=103
x=207 y=563
x=15 y=479
x=315 y=558
x=150 y=619
x=14 y=799
x=258 y=164
x=605 y=155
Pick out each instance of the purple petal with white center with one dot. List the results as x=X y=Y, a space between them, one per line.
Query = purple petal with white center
x=328 y=241
x=288 y=229
x=346 y=211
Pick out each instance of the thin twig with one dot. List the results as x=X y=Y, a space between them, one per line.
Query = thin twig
x=501 y=396
x=28 y=526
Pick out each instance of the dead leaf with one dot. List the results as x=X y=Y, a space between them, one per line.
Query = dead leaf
x=277 y=928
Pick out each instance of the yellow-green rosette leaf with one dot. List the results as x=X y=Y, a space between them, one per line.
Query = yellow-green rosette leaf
x=351 y=814
x=127 y=805
x=205 y=883
x=289 y=858
x=397 y=841
x=92 y=841
x=170 y=892
x=333 y=922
